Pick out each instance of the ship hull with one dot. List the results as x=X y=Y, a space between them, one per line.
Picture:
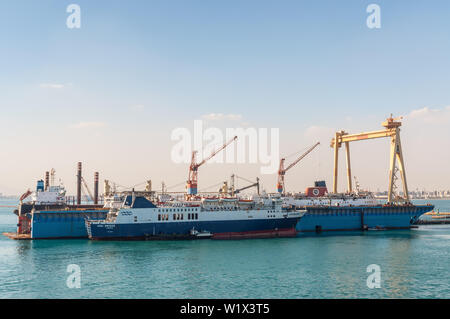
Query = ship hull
x=62 y=224
x=332 y=218
x=234 y=229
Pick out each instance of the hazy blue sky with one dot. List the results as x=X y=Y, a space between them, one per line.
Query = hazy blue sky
x=110 y=93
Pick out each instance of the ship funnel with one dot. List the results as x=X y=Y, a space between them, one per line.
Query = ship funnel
x=47 y=180
x=96 y=188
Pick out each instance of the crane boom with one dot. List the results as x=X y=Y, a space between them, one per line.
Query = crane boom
x=237 y=191
x=282 y=171
x=301 y=157
x=87 y=188
x=193 y=168
x=216 y=151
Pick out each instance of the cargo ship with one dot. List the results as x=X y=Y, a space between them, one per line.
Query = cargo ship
x=217 y=218
x=49 y=215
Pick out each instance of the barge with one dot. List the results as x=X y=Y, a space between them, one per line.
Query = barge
x=347 y=212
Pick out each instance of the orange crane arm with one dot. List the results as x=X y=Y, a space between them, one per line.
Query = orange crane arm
x=215 y=152
x=25 y=195
x=282 y=171
x=301 y=157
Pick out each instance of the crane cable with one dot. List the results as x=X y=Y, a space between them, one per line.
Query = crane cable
x=176 y=185
x=301 y=150
x=215 y=185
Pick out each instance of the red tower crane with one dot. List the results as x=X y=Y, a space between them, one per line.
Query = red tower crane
x=282 y=171
x=191 y=184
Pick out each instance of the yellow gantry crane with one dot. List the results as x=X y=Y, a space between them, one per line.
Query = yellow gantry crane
x=392 y=130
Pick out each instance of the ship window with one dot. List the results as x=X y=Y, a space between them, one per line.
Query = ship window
x=196 y=216
x=182 y=216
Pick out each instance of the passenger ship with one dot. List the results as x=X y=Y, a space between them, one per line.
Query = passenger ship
x=215 y=218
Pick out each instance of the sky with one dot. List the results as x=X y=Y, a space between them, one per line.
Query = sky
x=111 y=93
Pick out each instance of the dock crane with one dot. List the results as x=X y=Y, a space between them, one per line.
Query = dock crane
x=282 y=171
x=392 y=130
x=233 y=191
x=191 y=184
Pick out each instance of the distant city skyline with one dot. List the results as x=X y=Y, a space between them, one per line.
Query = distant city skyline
x=110 y=93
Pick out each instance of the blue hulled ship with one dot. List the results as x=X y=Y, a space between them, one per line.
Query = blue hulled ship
x=216 y=218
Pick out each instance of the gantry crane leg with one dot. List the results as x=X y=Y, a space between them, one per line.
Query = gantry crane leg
x=397 y=158
x=349 y=169
x=392 y=169
x=336 y=159
x=401 y=165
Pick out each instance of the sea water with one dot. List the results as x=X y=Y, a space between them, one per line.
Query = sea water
x=412 y=264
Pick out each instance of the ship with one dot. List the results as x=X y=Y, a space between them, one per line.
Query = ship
x=50 y=215
x=355 y=211
x=435 y=218
x=140 y=218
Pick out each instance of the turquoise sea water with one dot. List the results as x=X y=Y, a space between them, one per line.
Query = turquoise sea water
x=413 y=263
